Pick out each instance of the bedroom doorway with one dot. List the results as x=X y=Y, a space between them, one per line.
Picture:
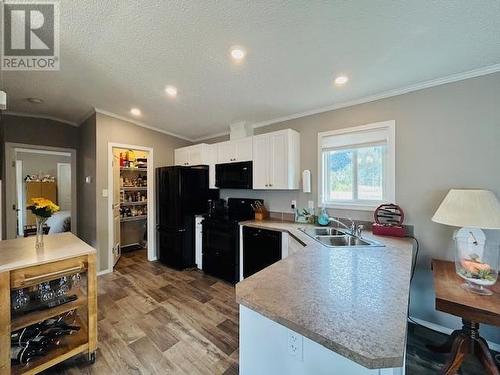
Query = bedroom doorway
x=38 y=171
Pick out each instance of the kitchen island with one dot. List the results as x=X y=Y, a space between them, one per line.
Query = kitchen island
x=24 y=268
x=326 y=310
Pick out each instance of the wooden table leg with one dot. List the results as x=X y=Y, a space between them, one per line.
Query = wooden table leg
x=459 y=350
x=447 y=345
x=483 y=353
x=92 y=306
x=5 y=323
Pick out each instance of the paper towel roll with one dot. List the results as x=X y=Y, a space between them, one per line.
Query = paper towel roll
x=306 y=181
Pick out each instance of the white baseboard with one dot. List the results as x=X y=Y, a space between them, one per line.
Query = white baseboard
x=446 y=330
x=104 y=272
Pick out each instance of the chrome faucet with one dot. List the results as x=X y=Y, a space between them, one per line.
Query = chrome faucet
x=354 y=229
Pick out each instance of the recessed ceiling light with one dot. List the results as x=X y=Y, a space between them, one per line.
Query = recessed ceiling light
x=341 y=80
x=238 y=53
x=135 y=111
x=171 y=91
x=35 y=100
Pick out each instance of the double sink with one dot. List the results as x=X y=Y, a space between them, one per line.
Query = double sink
x=335 y=237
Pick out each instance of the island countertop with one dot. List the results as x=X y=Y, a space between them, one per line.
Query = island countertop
x=351 y=301
x=20 y=253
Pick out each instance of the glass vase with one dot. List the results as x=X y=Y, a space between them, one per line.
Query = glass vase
x=477 y=262
x=40 y=222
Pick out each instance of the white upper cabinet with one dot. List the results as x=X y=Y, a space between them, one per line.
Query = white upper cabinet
x=275 y=156
x=261 y=168
x=192 y=155
x=181 y=156
x=201 y=154
x=276 y=162
x=235 y=151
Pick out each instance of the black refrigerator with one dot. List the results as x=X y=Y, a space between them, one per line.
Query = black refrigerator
x=181 y=193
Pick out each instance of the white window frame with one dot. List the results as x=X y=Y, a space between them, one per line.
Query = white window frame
x=389 y=173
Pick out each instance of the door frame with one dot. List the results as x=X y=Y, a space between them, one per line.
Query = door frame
x=152 y=256
x=10 y=180
x=58 y=173
x=19 y=194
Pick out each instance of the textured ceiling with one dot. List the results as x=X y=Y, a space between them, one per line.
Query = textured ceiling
x=118 y=54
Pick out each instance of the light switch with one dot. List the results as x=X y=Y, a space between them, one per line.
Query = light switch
x=105 y=193
x=88 y=179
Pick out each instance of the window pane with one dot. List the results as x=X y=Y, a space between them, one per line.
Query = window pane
x=371 y=172
x=339 y=175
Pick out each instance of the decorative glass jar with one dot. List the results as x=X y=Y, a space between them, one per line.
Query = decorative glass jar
x=477 y=262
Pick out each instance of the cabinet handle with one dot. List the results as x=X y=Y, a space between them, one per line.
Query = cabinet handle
x=55 y=273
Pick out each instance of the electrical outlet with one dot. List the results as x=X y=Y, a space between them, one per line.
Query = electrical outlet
x=295 y=345
x=310 y=204
x=294 y=204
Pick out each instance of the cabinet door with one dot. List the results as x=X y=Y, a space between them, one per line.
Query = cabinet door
x=196 y=155
x=261 y=162
x=181 y=156
x=226 y=152
x=243 y=149
x=212 y=160
x=278 y=173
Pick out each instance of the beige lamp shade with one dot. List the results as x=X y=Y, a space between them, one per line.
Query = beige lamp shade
x=469 y=208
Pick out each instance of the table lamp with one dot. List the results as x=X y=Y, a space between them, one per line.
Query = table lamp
x=476 y=259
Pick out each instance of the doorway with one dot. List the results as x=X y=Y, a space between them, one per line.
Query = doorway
x=131 y=201
x=39 y=171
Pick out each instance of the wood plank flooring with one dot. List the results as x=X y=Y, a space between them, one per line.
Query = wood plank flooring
x=155 y=320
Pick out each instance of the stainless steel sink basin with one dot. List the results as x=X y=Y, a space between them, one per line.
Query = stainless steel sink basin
x=345 y=240
x=325 y=232
x=334 y=237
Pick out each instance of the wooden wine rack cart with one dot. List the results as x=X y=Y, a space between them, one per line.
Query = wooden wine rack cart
x=22 y=266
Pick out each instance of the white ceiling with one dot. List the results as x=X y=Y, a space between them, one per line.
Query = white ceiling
x=118 y=54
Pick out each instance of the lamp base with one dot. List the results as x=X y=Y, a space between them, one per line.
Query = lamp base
x=477 y=289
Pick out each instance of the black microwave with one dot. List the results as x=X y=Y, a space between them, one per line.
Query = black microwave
x=234 y=175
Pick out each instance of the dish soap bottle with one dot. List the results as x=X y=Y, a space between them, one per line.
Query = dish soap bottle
x=323 y=218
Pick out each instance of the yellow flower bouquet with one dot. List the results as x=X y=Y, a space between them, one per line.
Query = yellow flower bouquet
x=42 y=208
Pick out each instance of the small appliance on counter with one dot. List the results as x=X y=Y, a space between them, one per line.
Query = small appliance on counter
x=389 y=221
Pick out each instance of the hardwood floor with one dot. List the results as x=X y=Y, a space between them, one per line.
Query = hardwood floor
x=155 y=320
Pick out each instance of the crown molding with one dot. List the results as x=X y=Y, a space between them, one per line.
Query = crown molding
x=382 y=95
x=204 y=138
x=23 y=114
x=141 y=124
x=387 y=94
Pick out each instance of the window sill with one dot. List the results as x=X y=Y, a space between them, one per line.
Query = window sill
x=352 y=206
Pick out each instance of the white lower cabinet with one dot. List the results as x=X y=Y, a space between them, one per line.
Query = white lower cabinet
x=198 y=242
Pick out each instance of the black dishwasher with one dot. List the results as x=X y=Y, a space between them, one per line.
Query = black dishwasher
x=261 y=248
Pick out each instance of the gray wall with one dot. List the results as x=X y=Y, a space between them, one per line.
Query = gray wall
x=446 y=136
x=109 y=129
x=41 y=163
x=87 y=191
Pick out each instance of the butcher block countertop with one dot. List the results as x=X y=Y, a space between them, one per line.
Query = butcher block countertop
x=350 y=300
x=21 y=252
